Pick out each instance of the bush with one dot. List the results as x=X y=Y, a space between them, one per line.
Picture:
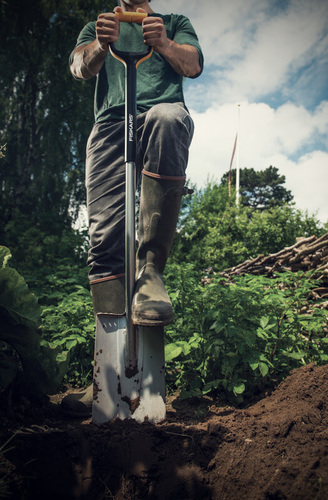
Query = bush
x=240 y=337
x=217 y=233
x=69 y=326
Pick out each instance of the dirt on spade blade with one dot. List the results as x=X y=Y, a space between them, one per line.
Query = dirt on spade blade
x=275 y=449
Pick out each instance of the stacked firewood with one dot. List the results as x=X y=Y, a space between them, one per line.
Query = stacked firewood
x=307 y=254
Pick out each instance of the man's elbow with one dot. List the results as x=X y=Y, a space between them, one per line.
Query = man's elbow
x=78 y=68
x=73 y=71
x=193 y=70
x=194 y=67
x=198 y=69
x=75 y=66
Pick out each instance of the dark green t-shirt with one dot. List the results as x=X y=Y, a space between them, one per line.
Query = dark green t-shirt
x=157 y=81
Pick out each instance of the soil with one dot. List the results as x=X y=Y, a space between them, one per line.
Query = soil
x=277 y=448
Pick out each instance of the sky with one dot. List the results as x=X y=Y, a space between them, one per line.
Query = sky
x=265 y=76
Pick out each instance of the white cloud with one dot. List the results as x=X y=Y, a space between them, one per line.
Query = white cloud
x=223 y=26
x=267 y=137
x=307 y=179
x=294 y=127
x=272 y=58
x=253 y=50
x=321 y=114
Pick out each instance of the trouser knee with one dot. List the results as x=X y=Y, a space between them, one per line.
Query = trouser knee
x=167 y=133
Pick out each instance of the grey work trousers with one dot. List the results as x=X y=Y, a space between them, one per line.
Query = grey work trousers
x=164 y=135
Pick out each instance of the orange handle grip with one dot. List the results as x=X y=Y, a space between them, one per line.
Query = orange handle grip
x=131 y=17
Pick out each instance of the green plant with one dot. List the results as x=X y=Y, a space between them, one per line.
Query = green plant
x=186 y=335
x=68 y=326
x=217 y=233
x=240 y=337
x=22 y=358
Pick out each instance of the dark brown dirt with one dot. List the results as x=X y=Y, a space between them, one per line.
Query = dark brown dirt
x=275 y=449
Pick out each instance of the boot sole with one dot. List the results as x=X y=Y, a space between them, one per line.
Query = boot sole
x=142 y=321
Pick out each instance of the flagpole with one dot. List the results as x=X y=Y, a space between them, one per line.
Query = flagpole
x=238 y=160
x=231 y=162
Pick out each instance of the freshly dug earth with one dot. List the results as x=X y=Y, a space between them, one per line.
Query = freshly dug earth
x=275 y=449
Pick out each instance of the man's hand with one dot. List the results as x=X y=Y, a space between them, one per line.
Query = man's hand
x=89 y=59
x=107 y=29
x=183 y=58
x=154 y=33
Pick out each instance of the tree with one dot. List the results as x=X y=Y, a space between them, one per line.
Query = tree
x=220 y=235
x=45 y=116
x=201 y=212
x=260 y=189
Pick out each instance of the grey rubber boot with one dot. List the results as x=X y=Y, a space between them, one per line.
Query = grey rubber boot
x=108 y=297
x=160 y=202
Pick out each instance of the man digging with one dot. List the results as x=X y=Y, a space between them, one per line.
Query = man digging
x=164 y=133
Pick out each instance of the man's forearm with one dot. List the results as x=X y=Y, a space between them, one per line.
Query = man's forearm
x=88 y=60
x=183 y=58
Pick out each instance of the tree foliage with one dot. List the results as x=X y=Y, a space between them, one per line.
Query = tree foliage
x=45 y=119
x=218 y=234
x=45 y=115
x=260 y=189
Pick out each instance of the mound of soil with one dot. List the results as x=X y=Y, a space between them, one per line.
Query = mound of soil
x=274 y=449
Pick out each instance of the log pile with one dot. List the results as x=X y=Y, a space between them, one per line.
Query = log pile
x=307 y=254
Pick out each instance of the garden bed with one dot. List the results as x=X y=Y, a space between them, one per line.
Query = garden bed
x=276 y=448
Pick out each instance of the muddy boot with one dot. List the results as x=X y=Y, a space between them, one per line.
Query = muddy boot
x=107 y=298
x=78 y=404
x=159 y=210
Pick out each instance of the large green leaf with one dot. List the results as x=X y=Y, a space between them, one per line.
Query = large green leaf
x=172 y=351
x=19 y=319
x=15 y=296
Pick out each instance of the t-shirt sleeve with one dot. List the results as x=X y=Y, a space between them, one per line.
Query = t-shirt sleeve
x=87 y=35
x=185 y=34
